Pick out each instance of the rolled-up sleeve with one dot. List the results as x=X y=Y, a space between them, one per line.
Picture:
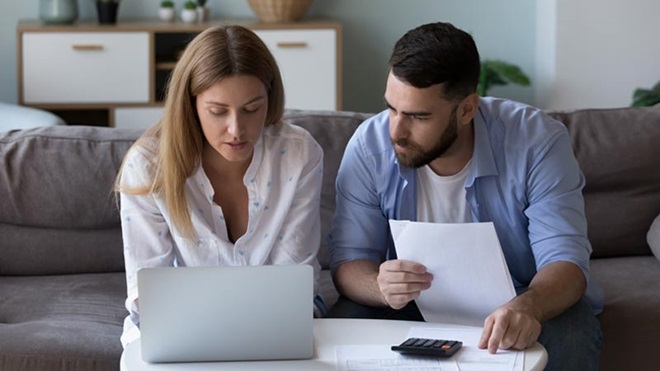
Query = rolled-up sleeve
x=557 y=223
x=359 y=228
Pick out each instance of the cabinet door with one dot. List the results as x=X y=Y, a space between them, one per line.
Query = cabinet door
x=308 y=63
x=85 y=67
x=137 y=117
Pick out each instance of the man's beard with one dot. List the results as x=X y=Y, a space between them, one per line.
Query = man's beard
x=417 y=157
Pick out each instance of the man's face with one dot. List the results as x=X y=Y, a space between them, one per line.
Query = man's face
x=423 y=125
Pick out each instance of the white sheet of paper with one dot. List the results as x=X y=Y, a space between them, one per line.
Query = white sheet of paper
x=470 y=275
x=470 y=357
x=382 y=358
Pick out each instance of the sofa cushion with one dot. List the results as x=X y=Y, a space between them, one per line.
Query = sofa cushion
x=56 y=184
x=63 y=323
x=332 y=130
x=653 y=237
x=619 y=153
x=13 y=116
x=632 y=311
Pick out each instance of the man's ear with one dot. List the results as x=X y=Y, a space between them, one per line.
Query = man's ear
x=468 y=108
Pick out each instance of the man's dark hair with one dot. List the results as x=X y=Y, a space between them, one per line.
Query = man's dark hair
x=437 y=53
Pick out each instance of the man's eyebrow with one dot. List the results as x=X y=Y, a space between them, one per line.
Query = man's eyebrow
x=407 y=113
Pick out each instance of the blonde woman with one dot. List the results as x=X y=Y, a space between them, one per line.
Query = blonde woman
x=220 y=180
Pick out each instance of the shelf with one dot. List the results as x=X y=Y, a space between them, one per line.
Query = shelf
x=165 y=65
x=308 y=54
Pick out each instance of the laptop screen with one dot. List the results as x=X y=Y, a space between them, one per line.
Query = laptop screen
x=192 y=314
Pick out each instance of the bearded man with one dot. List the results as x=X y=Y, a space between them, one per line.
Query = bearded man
x=440 y=153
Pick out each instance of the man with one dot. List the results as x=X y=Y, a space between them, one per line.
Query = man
x=440 y=153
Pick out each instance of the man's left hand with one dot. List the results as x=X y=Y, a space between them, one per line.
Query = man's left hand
x=510 y=326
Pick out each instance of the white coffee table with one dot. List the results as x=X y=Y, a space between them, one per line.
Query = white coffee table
x=328 y=333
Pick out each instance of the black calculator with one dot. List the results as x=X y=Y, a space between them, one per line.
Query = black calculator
x=428 y=347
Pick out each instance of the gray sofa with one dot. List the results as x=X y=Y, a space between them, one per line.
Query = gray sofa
x=61 y=282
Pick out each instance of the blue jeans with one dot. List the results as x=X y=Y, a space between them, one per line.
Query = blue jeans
x=573 y=339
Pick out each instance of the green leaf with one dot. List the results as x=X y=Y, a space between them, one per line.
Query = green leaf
x=508 y=72
x=645 y=97
x=656 y=88
x=495 y=72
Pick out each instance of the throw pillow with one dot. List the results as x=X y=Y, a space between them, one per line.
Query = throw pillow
x=653 y=237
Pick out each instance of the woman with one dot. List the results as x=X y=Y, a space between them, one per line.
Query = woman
x=220 y=180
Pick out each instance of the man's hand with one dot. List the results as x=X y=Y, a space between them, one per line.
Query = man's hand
x=401 y=281
x=517 y=324
x=510 y=326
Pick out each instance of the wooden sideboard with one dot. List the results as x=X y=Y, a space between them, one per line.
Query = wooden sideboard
x=115 y=75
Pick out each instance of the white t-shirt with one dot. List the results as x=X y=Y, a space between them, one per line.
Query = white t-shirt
x=441 y=199
x=284 y=186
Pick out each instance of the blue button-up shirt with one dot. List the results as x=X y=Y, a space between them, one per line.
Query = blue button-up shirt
x=524 y=178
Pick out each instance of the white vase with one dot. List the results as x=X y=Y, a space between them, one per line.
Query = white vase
x=189 y=15
x=166 y=14
x=203 y=13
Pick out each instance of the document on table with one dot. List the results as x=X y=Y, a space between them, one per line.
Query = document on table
x=469 y=358
x=382 y=358
x=470 y=275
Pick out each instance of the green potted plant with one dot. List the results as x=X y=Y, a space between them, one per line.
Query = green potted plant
x=166 y=10
x=646 y=97
x=189 y=12
x=496 y=72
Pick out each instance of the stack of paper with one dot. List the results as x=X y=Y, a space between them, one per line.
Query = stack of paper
x=471 y=278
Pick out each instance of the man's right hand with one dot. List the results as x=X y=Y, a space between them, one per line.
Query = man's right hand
x=401 y=281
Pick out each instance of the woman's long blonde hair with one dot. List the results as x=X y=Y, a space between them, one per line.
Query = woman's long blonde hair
x=214 y=54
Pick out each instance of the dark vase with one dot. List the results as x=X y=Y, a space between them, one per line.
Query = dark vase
x=107 y=11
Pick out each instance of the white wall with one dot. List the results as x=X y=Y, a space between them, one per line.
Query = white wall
x=595 y=53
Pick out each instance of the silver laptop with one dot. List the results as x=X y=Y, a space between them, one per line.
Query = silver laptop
x=226 y=313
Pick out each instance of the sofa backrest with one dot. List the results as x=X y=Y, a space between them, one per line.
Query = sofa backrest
x=57 y=208
x=619 y=153
x=58 y=213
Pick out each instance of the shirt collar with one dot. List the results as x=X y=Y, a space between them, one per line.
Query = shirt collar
x=483 y=161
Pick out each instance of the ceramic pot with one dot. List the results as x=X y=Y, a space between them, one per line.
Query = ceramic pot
x=166 y=14
x=107 y=11
x=203 y=13
x=58 y=11
x=189 y=15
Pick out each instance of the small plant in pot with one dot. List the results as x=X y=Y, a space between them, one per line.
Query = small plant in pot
x=166 y=11
x=203 y=11
x=189 y=12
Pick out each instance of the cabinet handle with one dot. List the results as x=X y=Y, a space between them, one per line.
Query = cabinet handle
x=87 y=47
x=299 y=44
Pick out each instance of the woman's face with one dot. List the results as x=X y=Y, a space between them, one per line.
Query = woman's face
x=232 y=113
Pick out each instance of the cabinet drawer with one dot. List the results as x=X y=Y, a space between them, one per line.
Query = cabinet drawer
x=308 y=64
x=92 y=67
x=137 y=117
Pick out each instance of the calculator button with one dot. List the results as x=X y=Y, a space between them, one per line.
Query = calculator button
x=419 y=342
x=410 y=341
